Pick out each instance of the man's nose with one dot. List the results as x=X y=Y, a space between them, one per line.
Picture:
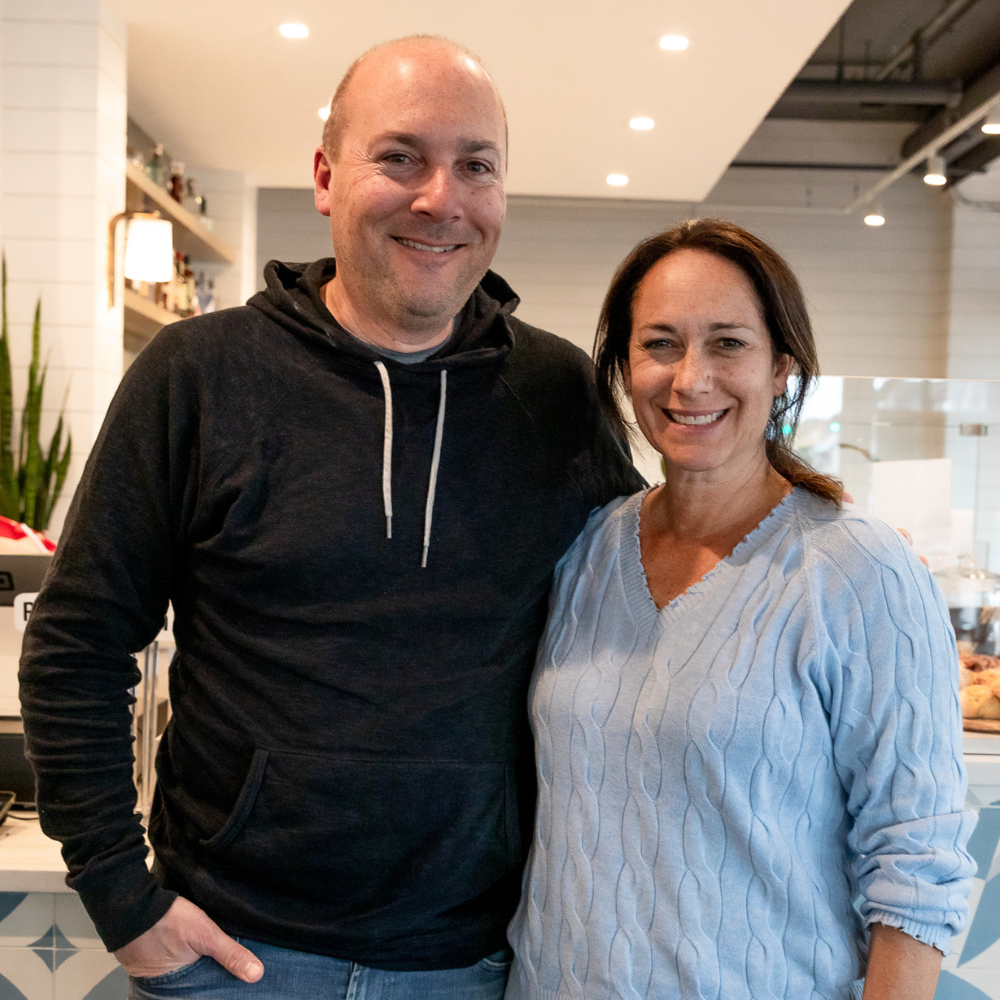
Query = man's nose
x=438 y=196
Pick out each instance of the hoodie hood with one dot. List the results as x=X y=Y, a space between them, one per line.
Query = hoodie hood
x=481 y=335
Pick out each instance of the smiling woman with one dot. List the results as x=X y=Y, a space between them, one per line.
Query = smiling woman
x=745 y=703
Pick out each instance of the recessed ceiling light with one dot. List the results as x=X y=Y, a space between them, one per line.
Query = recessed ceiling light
x=324 y=112
x=875 y=217
x=935 y=174
x=617 y=180
x=293 y=30
x=992 y=124
x=641 y=124
x=673 y=43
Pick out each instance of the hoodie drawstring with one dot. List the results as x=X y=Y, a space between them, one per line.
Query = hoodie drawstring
x=386 y=450
x=387 y=459
x=435 y=464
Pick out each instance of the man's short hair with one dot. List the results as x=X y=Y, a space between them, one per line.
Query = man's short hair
x=336 y=120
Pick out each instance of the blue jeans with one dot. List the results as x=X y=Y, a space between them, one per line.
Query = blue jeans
x=299 y=975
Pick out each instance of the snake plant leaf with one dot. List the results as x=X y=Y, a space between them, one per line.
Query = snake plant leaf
x=31 y=484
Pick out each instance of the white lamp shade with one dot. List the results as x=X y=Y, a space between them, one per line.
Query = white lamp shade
x=149 y=250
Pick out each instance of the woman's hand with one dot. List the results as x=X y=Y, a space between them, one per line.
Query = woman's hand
x=899 y=966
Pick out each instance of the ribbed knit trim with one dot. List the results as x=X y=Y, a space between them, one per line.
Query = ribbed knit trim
x=936 y=936
x=634 y=579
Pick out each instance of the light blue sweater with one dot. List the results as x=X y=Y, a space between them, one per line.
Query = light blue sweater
x=721 y=780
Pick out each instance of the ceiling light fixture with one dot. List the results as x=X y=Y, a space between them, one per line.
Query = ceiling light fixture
x=324 y=112
x=992 y=124
x=673 y=43
x=641 y=124
x=617 y=180
x=874 y=216
x=293 y=30
x=935 y=174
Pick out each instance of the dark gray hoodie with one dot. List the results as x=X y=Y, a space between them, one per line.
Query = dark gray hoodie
x=347 y=770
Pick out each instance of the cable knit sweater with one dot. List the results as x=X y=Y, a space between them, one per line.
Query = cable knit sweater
x=732 y=788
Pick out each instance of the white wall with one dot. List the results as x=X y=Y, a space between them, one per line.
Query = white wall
x=231 y=200
x=289 y=228
x=974 y=347
x=878 y=297
x=63 y=155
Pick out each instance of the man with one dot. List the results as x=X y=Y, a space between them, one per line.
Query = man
x=354 y=491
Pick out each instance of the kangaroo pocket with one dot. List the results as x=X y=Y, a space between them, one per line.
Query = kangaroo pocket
x=355 y=835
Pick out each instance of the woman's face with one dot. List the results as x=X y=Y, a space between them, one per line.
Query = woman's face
x=701 y=372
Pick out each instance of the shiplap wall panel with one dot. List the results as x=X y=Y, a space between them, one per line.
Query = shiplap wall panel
x=63 y=163
x=878 y=297
x=974 y=350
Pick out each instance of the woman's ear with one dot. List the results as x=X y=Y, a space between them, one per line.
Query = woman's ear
x=782 y=369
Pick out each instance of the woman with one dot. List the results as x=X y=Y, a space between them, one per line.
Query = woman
x=745 y=705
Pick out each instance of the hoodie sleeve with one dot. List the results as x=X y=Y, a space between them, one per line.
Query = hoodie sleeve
x=103 y=600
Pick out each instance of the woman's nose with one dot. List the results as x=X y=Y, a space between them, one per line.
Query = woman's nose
x=692 y=374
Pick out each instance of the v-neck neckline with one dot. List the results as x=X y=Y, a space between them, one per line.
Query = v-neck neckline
x=637 y=590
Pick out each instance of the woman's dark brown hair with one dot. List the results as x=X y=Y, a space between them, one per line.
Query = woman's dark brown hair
x=784 y=310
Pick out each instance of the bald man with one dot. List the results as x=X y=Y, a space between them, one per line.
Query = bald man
x=354 y=491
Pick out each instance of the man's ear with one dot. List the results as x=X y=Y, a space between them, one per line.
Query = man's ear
x=322 y=173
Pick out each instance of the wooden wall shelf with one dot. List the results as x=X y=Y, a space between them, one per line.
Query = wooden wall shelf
x=143 y=320
x=190 y=236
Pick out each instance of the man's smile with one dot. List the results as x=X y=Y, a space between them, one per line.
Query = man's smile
x=427 y=246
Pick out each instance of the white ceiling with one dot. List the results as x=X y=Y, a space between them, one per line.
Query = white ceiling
x=216 y=83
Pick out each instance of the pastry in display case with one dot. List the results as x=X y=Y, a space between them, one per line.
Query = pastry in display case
x=924 y=454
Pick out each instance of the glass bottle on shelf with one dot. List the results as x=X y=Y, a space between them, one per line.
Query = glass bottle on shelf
x=156 y=168
x=973 y=598
x=192 y=200
x=177 y=181
x=203 y=217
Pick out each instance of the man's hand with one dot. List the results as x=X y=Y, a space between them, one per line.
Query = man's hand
x=181 y=936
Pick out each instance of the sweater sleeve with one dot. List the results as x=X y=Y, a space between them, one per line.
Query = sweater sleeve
x=890 y=674
x=103 y=600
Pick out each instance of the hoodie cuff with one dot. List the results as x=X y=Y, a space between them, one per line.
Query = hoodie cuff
x=123 y=901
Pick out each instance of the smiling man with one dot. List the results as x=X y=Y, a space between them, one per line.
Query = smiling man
x=354 y=491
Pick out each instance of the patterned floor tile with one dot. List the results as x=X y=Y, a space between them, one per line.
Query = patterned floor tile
x=90 y=975
x=33 y=917
x=24 y=971
x=72 y=920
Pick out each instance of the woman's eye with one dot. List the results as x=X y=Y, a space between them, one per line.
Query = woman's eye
x=731 y=343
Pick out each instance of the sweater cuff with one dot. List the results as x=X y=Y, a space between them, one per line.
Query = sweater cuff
x=937 y=935
x=122 y=901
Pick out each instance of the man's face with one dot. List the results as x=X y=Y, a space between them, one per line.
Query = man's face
x=415 y=196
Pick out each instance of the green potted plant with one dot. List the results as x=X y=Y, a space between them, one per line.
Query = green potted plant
x=31 y=480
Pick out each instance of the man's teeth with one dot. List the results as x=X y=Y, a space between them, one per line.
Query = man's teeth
x=424 y=246
x=708 y=418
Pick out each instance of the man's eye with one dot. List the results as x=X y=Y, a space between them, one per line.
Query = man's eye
x=396 y=158
x=479 y=167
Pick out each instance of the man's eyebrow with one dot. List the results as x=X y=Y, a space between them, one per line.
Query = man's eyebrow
x=469 y=146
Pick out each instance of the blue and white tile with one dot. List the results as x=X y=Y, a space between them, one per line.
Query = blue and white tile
x=90 y=975
x=72 y=919
x=29 y=918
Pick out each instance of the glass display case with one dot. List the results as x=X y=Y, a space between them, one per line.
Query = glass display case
x=919 y=453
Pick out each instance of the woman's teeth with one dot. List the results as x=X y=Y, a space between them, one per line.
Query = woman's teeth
x=424 y=246
x=708 y=418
